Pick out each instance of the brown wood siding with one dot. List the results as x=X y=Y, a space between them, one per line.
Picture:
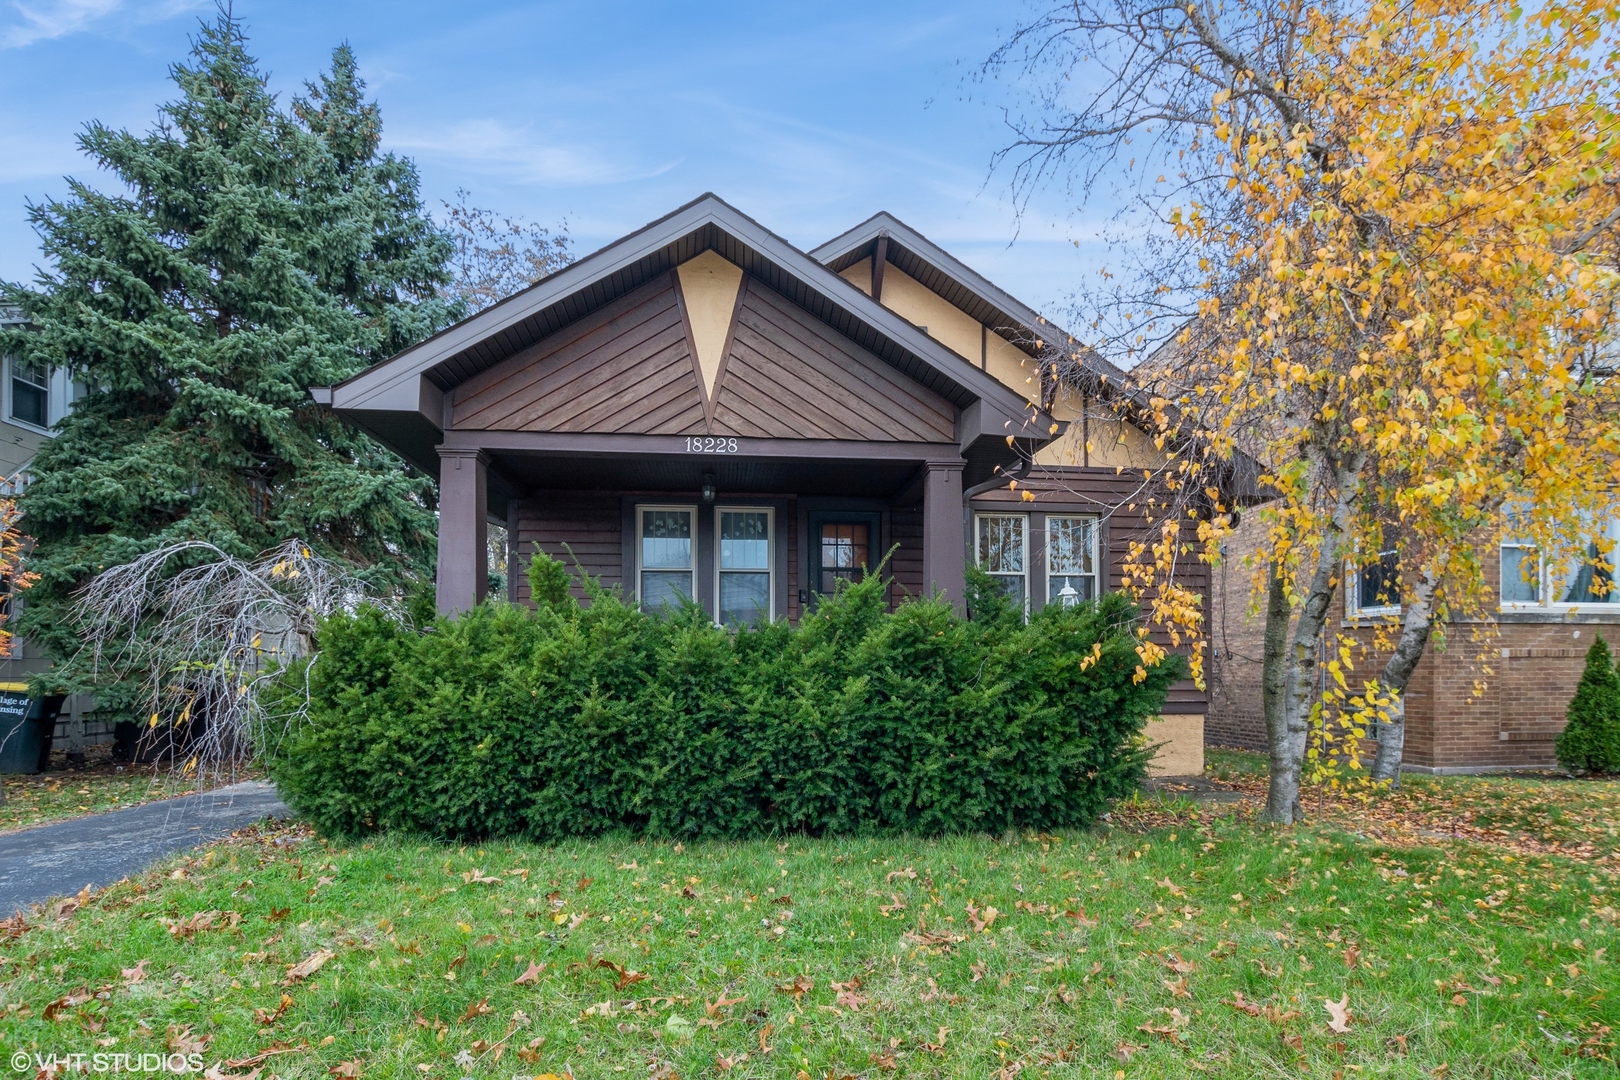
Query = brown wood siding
x=572 y=527
x=625 y=368
x=906 y=564
x=1118 y=499
x=788 y=376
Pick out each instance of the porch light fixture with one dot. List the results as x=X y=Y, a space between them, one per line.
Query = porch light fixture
x=1068 y=597
x=708 y=487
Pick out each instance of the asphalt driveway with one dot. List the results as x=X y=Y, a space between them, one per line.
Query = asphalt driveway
x=60 y=859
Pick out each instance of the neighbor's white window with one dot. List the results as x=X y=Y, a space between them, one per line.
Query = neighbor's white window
x=1377 y=588
x=1002 y=549
x=743 y=566
x=35 y=395
x=1585 y=578
x=1071 y=557
x=664 y=557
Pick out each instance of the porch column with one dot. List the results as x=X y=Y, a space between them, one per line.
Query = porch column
x=463 y=576
x=944 y=548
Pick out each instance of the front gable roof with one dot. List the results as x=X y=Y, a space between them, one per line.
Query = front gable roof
x=958 y=284
x=403 y=400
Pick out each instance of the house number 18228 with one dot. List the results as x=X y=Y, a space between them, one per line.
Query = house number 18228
x=699 y=444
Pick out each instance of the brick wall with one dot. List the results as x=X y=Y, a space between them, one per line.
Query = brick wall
x=1485 y=695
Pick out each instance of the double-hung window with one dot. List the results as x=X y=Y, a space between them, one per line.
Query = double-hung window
x=664 y=559
x=743 y=569
x=29 y=393
x=1002 y=550
x=1583 y=578
x=1378 y=585
x=1071 y=559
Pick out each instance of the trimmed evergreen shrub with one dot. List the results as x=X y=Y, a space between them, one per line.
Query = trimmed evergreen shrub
x=572 y=720
x=1590 y=741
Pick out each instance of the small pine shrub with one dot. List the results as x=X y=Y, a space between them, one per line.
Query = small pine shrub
x=581 y=719
x=1590 y=741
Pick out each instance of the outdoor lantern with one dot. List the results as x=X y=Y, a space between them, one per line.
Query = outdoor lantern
x=708 y=487
x=1067 y=596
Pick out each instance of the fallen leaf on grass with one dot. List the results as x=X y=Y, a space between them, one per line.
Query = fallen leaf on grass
x=1125 y=1049
x=977 y=970
x=349 y=1069
x=712 y=1008
x=182 y=1041
x=135 y=974
x=846 y=995
x=1171 y=887
x=1080 y=918
x=574 y=923
x=72 y=1000
x=626 y=976
x=981 y=920
x=215 y=1072
x=1352 y=956
x=478 y=877
x=1178 y=988
x=908 y=874
x=765 y=1033
x=726 y=1064
x=476 y=1009
x=801 y=985
x=265 y=1017
x=530 y=976
x=529 y=1053
x=1339 y=1014
x=308 y=966
x=890 y=909
x=936 y=1047
x=1181 y=967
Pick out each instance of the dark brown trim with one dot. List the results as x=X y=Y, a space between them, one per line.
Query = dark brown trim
x=593 y=443
x=691 y=347
x=984 y=347
x=725 y=349
x=880 y=259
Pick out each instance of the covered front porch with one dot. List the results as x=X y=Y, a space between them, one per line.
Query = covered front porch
x=746 y=528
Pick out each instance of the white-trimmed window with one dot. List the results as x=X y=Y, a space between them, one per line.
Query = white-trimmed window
x=1001 y=548
x=744 y=579
x=664 y=555
x=1584 y=579
x=28 y=393
x=1071 y=558
x=1376 y=588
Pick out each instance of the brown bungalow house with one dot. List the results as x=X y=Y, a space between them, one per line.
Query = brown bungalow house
x=701 y=409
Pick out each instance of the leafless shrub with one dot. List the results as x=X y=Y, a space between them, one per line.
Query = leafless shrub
x=200 y=636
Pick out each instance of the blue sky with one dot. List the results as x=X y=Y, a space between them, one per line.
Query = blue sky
x=808 y=117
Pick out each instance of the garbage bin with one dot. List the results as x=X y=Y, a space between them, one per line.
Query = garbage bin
x=25 y=728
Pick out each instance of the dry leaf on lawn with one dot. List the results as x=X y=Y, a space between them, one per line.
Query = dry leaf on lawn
x=308 y=966
x=530 y=976
x=1338 y=1013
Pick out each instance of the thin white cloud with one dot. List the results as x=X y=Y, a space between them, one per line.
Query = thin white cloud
x=520 y=155
x=50 y=19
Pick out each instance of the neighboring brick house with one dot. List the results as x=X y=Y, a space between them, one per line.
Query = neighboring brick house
x=1486 y=695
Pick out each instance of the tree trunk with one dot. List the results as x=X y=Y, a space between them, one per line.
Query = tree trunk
x=1417 y=616
x=1300 y=661
x=1273 y=682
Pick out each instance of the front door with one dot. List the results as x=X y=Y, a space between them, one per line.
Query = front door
x=843 y=548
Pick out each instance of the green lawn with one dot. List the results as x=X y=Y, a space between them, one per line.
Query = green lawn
x=56 y=796
x=1171 y=942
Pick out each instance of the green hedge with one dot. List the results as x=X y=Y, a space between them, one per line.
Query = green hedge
x=577 y=720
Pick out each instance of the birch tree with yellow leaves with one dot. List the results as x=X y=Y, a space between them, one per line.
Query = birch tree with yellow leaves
x=1386 y=273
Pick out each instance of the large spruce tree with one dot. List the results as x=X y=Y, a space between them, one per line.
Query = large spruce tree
x=254 y=251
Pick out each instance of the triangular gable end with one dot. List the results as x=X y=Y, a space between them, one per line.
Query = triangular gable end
x=703 y=350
